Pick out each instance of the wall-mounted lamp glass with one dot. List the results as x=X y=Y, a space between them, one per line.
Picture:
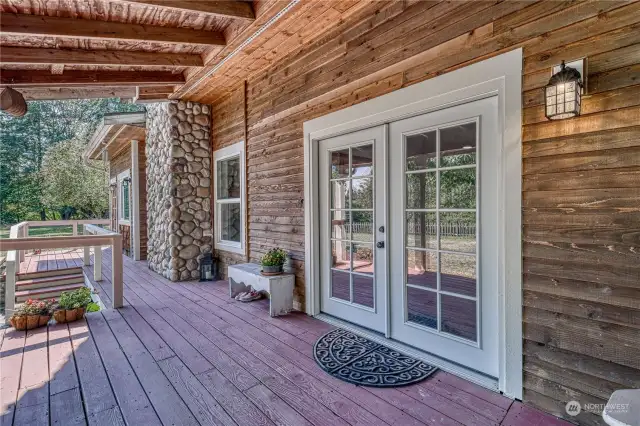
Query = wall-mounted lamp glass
x=563 y=94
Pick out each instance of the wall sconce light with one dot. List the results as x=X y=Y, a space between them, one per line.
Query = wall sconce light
x=563 y=93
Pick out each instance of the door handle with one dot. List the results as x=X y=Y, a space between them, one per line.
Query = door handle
x=380 y=244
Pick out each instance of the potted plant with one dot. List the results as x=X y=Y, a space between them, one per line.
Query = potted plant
x=32 y=314
x=272 y=261
x=73 y=304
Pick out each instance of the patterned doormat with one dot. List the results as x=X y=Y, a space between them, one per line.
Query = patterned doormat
x=360 y=361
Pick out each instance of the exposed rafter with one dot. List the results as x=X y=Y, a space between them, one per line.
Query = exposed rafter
x=26 y=55
x=26 y=78
x=56 y=93
x=229 y=9
x=12 y=23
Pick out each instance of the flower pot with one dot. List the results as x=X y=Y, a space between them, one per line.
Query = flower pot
x=19 y=322
x=29 y=322
x=59 y=316
x=272 y=270
x=44 y=320
x=68 y=315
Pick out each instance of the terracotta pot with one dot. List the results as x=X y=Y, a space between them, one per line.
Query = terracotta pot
x=19 y=322
x=60 y=316
x=32 y=321
x=44 y=320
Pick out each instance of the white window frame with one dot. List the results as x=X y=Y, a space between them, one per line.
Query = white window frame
x=235 y=150
x=121 y=177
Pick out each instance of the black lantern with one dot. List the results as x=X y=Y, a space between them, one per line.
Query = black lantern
x=208 y=268
x=562 y=94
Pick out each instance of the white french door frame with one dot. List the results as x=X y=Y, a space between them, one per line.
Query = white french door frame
x=499 y=76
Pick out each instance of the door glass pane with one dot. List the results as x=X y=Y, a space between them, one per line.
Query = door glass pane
x=363 y=290
x=458 y=232
x=420 y=151
x=458 y=145
x=362 y=193
x=458 y=274
x=458 y=316
x=362 y=160
x=422 y=268
x=340 y=164
x=422 y=307
x=422 y=230
x=230 y=222
x=340 y=285
x=362 y=226
x=340 y=255
x=362 y=258
x=421 y=191
x=228 y=177
x=340 y=224
x=339 y=194
x=458 y=189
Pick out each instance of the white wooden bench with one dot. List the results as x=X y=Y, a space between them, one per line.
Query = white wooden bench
x=278 y=287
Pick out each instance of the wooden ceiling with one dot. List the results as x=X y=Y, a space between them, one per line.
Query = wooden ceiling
x=187 y=49
x=88 y=45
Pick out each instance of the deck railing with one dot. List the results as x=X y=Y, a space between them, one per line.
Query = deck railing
x=94 y=236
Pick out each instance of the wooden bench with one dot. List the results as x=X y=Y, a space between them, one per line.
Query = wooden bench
x=278 y=287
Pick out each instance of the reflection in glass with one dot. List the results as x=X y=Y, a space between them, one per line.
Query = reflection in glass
x=362 y=258
x=363 y=290
x=421 y=191
x=458 y=231
x=228 y=177
x=458 y=316
x=362 y=160
x=340 y=224
x=339 y=194
x=340 y=255
x=421 y=230
x=230 y=222
x=422 y=307
x=362 y=193
x=458 y=145
x=340 y=286
x=458 y=274
x=422 y=268
x=340 y=164
x=458 y=189
x=421 y=151
x=362 y=226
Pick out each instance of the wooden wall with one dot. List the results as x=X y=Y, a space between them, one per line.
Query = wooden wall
x=120 y=162
x=142 y=194
x=581 y=183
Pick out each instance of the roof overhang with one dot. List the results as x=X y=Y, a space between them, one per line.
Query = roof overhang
x=115 y=132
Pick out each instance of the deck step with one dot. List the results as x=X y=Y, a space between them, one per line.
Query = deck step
x=53 y=292
x=44 y=282
x=50 y=273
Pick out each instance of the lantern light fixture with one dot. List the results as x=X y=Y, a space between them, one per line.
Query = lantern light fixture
x=563 y=94
x=208 y=268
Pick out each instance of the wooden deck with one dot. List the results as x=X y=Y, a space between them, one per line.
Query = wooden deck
x=186 y=354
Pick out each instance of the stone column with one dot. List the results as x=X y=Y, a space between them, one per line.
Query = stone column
x=178 y=187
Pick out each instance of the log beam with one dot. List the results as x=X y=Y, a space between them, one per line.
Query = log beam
x=27 y=55
x=39 y=25
x=27 y=78
x=227 y=9
x=58 y=93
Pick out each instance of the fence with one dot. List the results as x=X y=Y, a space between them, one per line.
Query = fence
x=448 y=229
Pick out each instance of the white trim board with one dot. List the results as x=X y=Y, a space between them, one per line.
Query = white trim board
x=498 y=76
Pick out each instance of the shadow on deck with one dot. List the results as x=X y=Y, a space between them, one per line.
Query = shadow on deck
x=186 y=354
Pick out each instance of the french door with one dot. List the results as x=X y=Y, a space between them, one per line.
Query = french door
x=352 y=226
x=444 y=171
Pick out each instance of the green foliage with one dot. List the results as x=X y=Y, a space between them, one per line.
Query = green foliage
x=274 y=257
x=92 y=307
x=24 y=143
x=36 y=307
x=79 y=298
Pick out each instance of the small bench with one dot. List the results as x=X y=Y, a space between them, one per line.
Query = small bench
x=278 y=287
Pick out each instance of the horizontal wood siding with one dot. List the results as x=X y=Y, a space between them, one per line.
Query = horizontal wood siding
x=120 y=162
x=580 y=186
x=142 y=194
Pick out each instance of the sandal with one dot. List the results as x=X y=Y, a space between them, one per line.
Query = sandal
x=250 y=296
x=242 y=294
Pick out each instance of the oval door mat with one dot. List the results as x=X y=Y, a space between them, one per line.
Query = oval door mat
x=360 y=361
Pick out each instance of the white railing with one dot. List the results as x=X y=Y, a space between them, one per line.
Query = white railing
x=19 y=242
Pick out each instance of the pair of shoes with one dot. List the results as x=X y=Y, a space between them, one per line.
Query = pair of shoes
x=249 y=296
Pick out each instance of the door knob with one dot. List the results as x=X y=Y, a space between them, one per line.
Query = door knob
x=380 y=244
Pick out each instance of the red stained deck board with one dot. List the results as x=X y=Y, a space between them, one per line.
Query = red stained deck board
x=62 y=367
x=11 y=363
x=33 y=395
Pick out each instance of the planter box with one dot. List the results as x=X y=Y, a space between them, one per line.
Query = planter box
x=68 y=315
x=29 y=322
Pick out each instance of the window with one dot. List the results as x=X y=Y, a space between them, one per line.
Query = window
x=124 y=196
x=229 y=198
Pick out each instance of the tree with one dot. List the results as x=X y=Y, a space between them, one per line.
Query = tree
x=71 y=186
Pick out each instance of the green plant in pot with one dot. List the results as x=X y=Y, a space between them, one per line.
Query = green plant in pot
x=272 y=261
x=73 y=304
